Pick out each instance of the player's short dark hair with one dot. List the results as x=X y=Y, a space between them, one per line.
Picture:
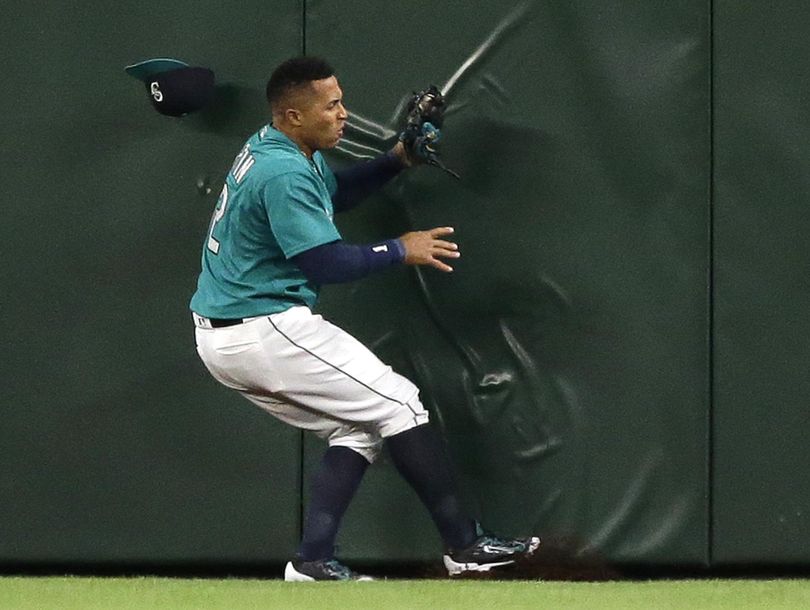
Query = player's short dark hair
x=295 y=73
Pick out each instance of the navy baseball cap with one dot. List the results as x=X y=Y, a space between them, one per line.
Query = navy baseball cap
x=174 y=87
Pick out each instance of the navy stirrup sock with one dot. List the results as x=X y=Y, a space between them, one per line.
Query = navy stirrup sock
x=420 y=457
x=331 y=489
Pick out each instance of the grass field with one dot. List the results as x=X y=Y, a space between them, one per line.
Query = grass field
x=44 y=593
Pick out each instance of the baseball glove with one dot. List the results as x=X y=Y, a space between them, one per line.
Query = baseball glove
x=422 y=130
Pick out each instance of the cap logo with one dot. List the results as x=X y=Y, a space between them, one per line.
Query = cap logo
x=156 y=93
x=173 y=87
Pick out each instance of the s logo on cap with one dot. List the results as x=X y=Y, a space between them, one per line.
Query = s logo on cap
x=172 y=86
x=156 y=93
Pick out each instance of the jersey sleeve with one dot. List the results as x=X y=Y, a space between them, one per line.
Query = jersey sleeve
x=300 y=215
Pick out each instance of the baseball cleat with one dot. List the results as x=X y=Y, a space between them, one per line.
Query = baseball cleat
x=489 y=552
x=323 y=569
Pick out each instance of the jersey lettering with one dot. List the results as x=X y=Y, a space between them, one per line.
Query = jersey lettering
x=243 y=162
x=219 y=212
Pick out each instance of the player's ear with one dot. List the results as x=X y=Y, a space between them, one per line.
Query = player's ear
x=293 y=116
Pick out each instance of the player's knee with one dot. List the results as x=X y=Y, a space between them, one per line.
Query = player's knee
x=370 y=450
x=411 y=415
x=359 y=439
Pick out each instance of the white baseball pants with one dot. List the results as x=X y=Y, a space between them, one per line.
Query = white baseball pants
x=313 y=375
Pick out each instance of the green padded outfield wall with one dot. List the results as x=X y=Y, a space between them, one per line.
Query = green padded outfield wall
x=116 y=447
x=761 y=488
x=566 y=357
x=592 y=382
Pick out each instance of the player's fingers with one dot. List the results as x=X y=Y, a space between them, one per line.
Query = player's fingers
x=445 y=253
x=447 y=245
x=434 y=262
x=439 y=231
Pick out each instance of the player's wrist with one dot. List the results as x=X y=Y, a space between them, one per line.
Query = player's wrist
x=399 y=154
x=398 y=249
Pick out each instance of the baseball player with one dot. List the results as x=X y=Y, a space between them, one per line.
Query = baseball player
x=271 y=244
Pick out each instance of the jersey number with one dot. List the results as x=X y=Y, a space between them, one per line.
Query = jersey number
x=219 y=212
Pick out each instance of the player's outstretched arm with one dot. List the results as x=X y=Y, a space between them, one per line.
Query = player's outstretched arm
x=337 y=262
x=360 y=180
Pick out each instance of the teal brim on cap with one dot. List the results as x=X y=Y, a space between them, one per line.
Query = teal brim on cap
x=147 y=69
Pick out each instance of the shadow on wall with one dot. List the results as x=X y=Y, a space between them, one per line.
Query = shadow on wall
x=234 y=110
x=507 y=322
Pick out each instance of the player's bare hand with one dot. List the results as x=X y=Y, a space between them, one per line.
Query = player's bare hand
x=428 y=247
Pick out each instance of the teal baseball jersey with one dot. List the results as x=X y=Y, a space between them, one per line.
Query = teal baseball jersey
x=275 y=203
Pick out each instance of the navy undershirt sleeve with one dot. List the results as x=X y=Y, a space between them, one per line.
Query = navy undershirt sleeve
x=338 y=262
x=358 y=181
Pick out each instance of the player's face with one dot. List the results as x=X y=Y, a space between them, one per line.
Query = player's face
x=324 y=118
